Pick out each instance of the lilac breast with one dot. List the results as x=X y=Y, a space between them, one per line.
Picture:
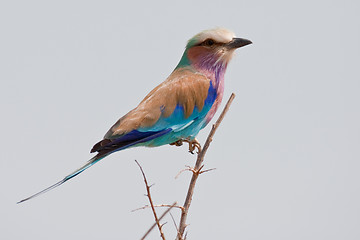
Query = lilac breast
x=216 y=75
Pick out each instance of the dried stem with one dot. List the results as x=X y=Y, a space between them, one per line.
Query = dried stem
x=161 y=205
x=152 y=205
x=163 y=215
x=198 y=166
x=177 y=229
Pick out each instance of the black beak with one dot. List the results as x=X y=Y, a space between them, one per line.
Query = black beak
x=237 y=43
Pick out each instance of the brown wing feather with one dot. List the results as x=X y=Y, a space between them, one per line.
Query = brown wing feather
x=183 y=87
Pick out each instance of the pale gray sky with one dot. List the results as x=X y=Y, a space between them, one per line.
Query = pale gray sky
x=287 y=154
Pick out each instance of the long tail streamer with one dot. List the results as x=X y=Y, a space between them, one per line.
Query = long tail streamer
x=88 y=164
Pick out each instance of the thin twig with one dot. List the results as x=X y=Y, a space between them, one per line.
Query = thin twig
x=151 y=203
x=188 y=168
x=161 y=205
x=177 y=229
x=163 y=215
x=198 y=166
x=207 y=170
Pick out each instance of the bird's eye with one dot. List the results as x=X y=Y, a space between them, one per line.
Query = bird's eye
x=209 y=42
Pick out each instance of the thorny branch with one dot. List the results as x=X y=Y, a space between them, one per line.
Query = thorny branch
x=152 y=205
x=163 y=215
x=197 y=169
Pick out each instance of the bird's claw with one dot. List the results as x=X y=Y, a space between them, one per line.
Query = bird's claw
x=178 y=143
x=194 y=143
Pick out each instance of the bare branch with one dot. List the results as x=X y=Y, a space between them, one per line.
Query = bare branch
x=161 y=205
x=163 y=215
x=151 y=203
x=207 y=170
x=177 y=229
x=188 y=168
x=198 y=166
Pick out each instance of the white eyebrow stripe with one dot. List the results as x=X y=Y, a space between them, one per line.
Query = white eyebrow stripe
x=221 y=35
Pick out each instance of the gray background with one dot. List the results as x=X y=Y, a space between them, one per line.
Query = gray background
x=287 y=154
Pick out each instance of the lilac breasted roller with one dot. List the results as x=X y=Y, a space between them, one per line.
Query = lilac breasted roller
x=178 y=108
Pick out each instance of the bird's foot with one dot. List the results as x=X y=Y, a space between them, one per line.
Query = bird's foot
x=178 y=143
x=192 y=144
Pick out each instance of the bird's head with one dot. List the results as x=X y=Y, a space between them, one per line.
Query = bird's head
x=211 y=49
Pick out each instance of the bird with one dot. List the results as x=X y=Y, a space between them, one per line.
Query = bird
x=177 y=109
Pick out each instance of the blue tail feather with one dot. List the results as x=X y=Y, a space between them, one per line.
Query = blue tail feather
x=125 y=143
